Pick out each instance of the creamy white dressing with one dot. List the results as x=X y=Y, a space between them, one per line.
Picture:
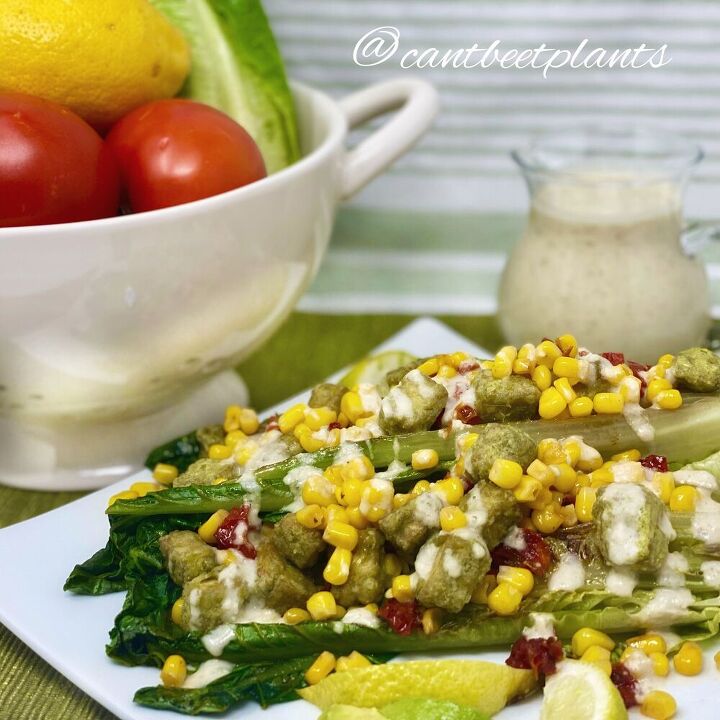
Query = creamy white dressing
x=625 y=502
x=218 y=639
x=636 y=417
x=395 y=468
x=386 y=490
x=451 y=565
x=515 y=539
x=475 y=511
x=397 y=404
x=697 y=478
x=710 y=570
x=641 y=666
x=621 y=581
x=666 y=606
x=296 y=479
x=628 y=471
x=672 y=572
x=426 y=559
x=542 y=625
x=427 y=509
x=460 y=392
x=361 y=616
x=422 y=383
x=705 y=524
x=207 y=672
x=369 y=398
x=192 y=600
x=569 y=574
x=588 y=454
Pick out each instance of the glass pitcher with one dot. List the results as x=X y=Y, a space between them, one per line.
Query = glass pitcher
x=606 y=255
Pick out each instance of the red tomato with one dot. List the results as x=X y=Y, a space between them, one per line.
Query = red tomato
x=54 y=167
x=174 y=151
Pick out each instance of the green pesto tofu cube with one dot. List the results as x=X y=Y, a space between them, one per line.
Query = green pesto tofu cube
x=214 y=598
x=281 y=584
x=186 y=555
x=300 y=545
x=505 y=399
x=448 y=569
x=205 y=472
x=412 y=405
x=697 y=369
x=491 y=510
x=498 y=442
x=366 y=582
x=327 y=395
x=631 y=527
x=409 y=526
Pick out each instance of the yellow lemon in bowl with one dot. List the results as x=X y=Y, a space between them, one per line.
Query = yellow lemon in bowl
x=100 y=59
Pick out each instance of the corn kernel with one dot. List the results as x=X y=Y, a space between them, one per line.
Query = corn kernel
x=208 y=529
x=356 y=518
x=542 y=377
x=595 y=653
x=584 y=502
x=451 y=488
x=296 y=615
x=505 y=599
x=292 y=417
x=564 y=477
x=528 y=490
x=552 y=403
x=232 y=418
x=566 y=367
x=521 y=578
x=547 y=520
x=424 y=459
x=321 y=668
x=164 y=473
x=359 y=468
x=124 y=495
x=244 y=452
x=587 y=637
x=430 y=366
x=543 y=499
x=502 y=365
x=337 y=570
x=483 y=589
x=540 y=471
x=506 y=474
x=353 y=661
x=649 y=642
x=318 y=490
x=550 y=451
x=568 y=345
x=630 y=389
x=376 y=513
x=174 y=671
x=176 y=612
x=318 y=418
x=602 y=475
x=402 y=588
x=351 y=406
x=569 y=516
x=219 y=452
x=522 y=367
x=563 y=386
x=608 y=403
x=446 y=372
x=321 y=605
x=683 y=498
x=689 y=659
x=668 y=399
x=311 y=516
x=401 y=499
x=547 y=352
x=658 y=705
x=307 y=440
x=249 y=421
x=392 y=565
x=340 y=535
x=457 y=358
x=431 y=621
x=664 y=484
x=655 y=386
x=235 y=438
x=141 y=489
x=350 y=492
x=660 y=663
x=452 y=518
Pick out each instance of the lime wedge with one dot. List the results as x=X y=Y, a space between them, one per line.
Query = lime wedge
x=581 y=691
x=485 y=686
x=373 y=369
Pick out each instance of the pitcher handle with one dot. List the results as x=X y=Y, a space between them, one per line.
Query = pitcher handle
x=695 y=236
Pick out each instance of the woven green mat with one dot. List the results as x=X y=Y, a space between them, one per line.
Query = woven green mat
x=306 y=349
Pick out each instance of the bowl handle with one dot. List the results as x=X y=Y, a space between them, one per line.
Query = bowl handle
x=417 y=103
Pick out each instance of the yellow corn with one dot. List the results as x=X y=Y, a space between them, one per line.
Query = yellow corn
x=208 y=529
x=521 y=578
x=400 y=499
x=505 y=599
x=337 y=570
x=177 y=611
x=542 y=377
x=245 y=452
x=350 y=492
x=506 y=473
x=569 y=516
x=306 y=438
x=664 y=484
x=543 y=499
x=452 y=518
x=318 y=490
x=321 y=668
x=547 y=520
x=402 y=588
x=683 y=499
x=563 y=386
x=451 y=488
x=336 y=513
x=235 y=438
x=595 y=653
x=528 y=489
x=424 y=459
x=502 y=365
x=540 y=471
x=219 y=452
x=584 y=502
x=586 y=637
x=292 y=417
x=573 y=451
x=669 y=399
x=174 y=671
x=608 y=403
x=552 y=403
x=632 y=455
x=547 y=352
x=658 y=705
x=483 y=589
x=655 y=386
x=321 y=605
x=311 y=516
x=296 y=615
x=392 y=565
x=566 y=367
x=359 y=468
x=341 y=535
x=568 y=345
x=124 y=495
x=430 y=366
x=249 y=421
x=232 y=418
x=649 y=642
x=143 y=488
x=660 y=663
x=550 y=451
x=356 y=518
x=164 y=473
x=420 y=487
x=565 y=477
x=431 y=620
x=689 y=659
x=351 y=406
x=602 y=476
x=353 y=661
x=318 y=418
x=446 y=371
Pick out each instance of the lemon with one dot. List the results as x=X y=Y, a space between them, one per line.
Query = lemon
x=373 y=369
x=485 y=686
x=581 y=691
x=100 y=59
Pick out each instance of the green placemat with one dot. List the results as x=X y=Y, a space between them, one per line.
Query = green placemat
x=306 y=349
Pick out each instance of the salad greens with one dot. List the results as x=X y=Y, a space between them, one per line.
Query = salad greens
x=237 y=68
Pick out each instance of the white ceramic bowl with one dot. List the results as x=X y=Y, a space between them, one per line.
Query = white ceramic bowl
x=112 y=332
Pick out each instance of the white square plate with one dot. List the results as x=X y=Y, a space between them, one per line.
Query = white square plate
x=70 y=631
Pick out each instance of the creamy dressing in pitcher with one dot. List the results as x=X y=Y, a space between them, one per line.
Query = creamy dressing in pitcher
x=601 y=258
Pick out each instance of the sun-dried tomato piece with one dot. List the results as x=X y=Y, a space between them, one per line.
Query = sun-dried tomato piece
x=615 y=358
x=626 y=684
x=655 y=462
x=233 y=532
x=467 y=366
x=272 y=423
x=536 y=556
x=466 y=414
x=402 y=618
x=334 y=426
x=540 y=655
